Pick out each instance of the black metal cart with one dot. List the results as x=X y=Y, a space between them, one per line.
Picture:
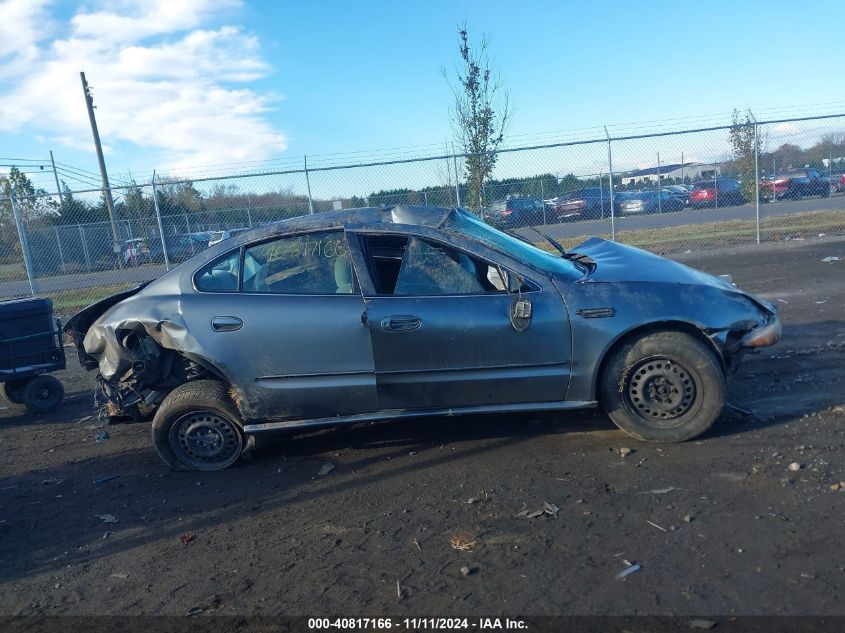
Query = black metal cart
x=31 y=345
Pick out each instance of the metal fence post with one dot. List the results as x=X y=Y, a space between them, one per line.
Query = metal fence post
x=542 y=196
x=27 y=261
x=160 y=227
x=756 y=184
x=659 y=187
x=308 y=184
x=610 y=180
x=716 y=184
x=59 y=245
x=84 y=247
x=457 y=180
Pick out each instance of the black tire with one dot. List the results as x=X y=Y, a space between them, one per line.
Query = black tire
x=198 y=427
x=43 y=393
x=14 y=390
x=663 y=387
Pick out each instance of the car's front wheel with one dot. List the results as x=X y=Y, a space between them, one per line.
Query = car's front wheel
x=663 y=387
x=198 y=427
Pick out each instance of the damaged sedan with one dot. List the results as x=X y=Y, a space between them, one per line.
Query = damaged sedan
x=386 y=313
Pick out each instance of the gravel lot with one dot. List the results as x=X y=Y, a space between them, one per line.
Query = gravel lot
x=719 y=526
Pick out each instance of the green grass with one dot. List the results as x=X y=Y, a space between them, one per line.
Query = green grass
x=13 y=272
x=66 y=302
x=709 y=235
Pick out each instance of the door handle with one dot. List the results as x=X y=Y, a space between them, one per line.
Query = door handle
x=401 y=323
x=226 y=323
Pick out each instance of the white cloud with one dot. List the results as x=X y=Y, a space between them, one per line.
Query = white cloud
x=23 y=24
x=165 y=78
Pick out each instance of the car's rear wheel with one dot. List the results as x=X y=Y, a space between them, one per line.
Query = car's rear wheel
x=14 y=390
x=43 y=393
x=663 y=387
x=198 y=427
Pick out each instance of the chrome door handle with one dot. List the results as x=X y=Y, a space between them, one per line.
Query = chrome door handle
x=401 y=323
x=226 y=323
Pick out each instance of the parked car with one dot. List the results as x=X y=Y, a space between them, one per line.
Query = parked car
x=681 y=192
x=403 y=312
x=136 y=251
x=840 y=186
x=648 y=202
x=517 y=212
x=219 y=236
x=180 y=247
x=795 y=183
x=723 y=192
x=589 y=202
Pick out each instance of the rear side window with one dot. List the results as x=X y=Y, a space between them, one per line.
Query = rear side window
x=316 y=263
x=220 y=275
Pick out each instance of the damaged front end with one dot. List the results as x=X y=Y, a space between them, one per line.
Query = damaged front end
x=139 y=359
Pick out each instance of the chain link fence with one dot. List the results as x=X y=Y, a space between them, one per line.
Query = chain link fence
x=667 y=192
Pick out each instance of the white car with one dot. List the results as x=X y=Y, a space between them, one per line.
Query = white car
x=219 y=236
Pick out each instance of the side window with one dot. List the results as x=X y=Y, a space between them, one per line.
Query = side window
x=416 y=267
x=219 y=275
x=316 y=263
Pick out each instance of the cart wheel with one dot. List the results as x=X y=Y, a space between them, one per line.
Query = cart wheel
x=43 y=393
x=14 y=390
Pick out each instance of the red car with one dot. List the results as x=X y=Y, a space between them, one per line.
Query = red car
x=795 y=183
x=723 y=192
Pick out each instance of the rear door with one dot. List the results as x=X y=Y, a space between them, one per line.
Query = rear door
x=289 y=331
x=442 y=333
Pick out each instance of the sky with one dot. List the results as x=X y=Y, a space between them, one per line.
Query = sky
x=195 y=86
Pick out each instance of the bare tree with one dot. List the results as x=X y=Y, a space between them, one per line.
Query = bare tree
x=480 y=114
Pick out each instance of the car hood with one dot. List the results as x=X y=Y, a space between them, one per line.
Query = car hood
x=619 y=263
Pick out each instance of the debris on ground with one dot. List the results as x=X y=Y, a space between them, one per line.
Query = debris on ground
x=101 y=437
x=195 y=610
x=701 y=624
x=689 y=518
x=398 y=591
x=625 y=451
x=632 y=568
x=325 y=469
x=461 y=542
x=52 y=481
x=186 y=538
x=472 y=500
x=662 y=491
x=794 y=467
x=102 y=480
x=107 y=518
x=831 y=258
x=119 y=575
x=548 y=508
x=107 y=534
x=655 y=525
x=465 y=571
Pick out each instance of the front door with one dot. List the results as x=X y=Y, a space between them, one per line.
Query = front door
x=293 y=336
x=442 y=332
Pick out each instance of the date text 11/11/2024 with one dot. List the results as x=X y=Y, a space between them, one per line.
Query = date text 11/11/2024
x=416 y=624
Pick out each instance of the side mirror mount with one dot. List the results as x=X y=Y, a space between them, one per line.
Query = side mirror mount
x=515 y=283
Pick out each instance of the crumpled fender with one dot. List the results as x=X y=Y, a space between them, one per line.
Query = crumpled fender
x=164 y=325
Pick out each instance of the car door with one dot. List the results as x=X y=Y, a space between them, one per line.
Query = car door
x=290 y=333
x=442 y=333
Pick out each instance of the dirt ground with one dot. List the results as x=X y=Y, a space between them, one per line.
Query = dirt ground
x=719 y=526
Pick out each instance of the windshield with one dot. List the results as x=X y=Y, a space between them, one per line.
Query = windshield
x=468 y=225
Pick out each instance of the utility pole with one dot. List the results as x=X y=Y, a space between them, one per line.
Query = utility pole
x=89 y=103
x=56 y=176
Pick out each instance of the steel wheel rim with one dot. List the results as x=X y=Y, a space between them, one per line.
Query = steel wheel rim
x=661 y=392
x=206 y=440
